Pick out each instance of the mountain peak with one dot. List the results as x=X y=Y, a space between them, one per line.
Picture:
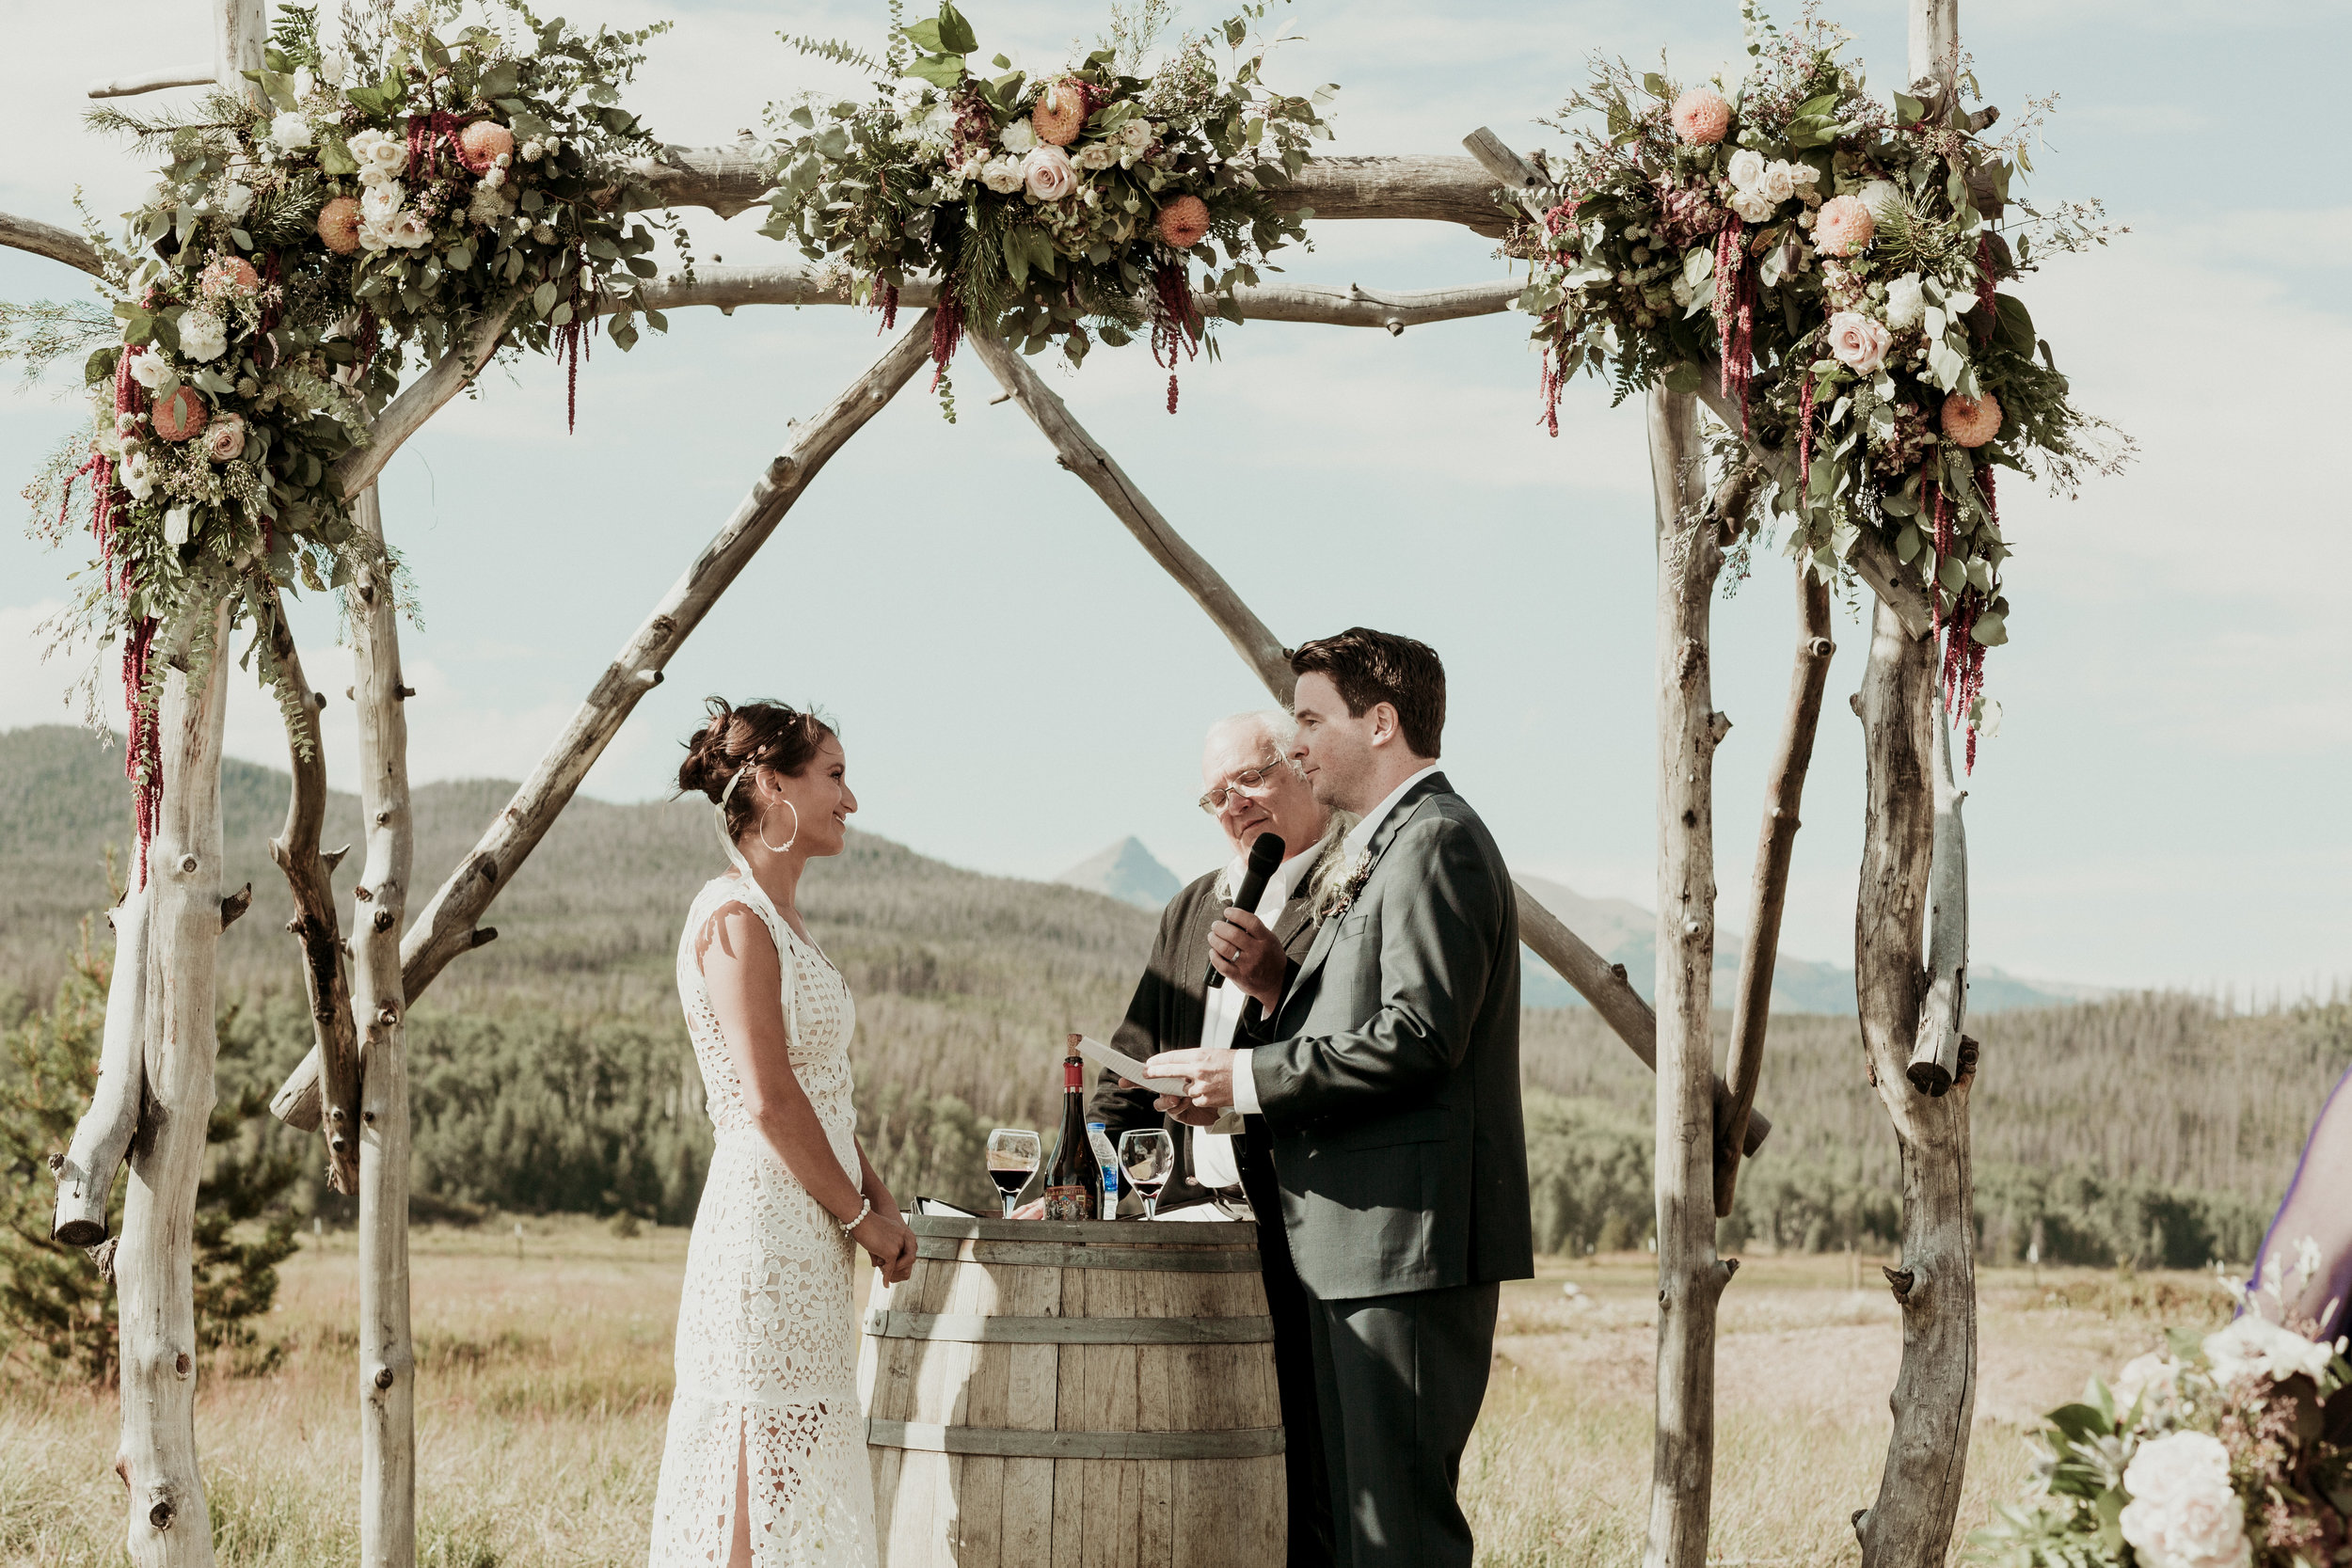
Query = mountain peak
x=1125 y=871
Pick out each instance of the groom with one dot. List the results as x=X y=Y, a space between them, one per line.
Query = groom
x=1387 y=1068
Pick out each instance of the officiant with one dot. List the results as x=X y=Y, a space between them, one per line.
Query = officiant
x=1227 y=1172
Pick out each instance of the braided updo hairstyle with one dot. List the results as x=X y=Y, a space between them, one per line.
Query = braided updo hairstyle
x=766 y=734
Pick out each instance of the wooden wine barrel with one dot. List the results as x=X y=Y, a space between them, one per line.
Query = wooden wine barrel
x=1041 y=1393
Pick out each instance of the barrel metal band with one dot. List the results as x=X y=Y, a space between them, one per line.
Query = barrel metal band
x=976 y=1329
x=997 y=1442
x=1055 y=1255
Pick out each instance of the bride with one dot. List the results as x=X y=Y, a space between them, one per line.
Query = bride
x=766 y=1460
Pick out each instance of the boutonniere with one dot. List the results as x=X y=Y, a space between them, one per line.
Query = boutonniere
x=1358 y=874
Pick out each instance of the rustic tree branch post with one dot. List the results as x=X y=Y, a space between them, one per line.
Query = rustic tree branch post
x=86 y=1175
x=1784 y=791
x=309 y=877
x=168 y=1525
x=1691 y=1278
x=387 y=1362
x=446 y=927
x=1935 y=1053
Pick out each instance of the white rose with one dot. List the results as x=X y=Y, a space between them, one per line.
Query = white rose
x=1753 y=208
x=1906 y=303
x=150 y=371
x=2153 y=1373
x=335 y=64
x=1137 y=133
x=1858 y=343
x=1001 y=175
x=1777 y=184
x=1095 y=155
x=201 y=335
x=378 y=203
x=1047 y=173
x=2182 y=1512
x=380 y=157
x=1880 y=195
x=305 y=84
x=1745 y=169
x=1019 y=136
x=137 y=474
x=176 y=525
x=2254 y=1344
x=1805 y=175
x=409 y=231
x=375 y=237
x=290 y=130
x=235 y=201
x=938 y=122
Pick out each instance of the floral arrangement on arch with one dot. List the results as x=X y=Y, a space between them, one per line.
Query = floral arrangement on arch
x=2229 y=1450
x=388 y=191
x=1059 y=208
x=1836 y=259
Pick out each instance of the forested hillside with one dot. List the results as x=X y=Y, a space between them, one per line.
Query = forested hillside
x=551 y=1071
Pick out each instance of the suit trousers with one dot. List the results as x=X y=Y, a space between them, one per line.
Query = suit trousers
x=1306 y=1471
x=1401 y=1379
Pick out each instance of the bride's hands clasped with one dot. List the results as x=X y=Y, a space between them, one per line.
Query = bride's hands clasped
x=887 y=1241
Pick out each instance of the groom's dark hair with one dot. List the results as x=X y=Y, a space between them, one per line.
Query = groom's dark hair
x=1371 y=666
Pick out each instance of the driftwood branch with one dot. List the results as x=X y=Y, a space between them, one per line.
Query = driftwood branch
x=791 y=282
x=47 y=239
x=1691 y=1278
x=86 y=1175
x=730 y=180
x=388 y=1395
x=1943 y=1011
x=1784 y=793
x=446 y=927
x=1934 y=1397
x=168 y=1525
x=309 y=877
x=450 y=374
x=153 y=81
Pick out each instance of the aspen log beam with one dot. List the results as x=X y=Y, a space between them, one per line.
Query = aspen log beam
x=800 y=283
x=310 y=876
x=1600 y=982
x=168 y=1525
x=86 y=1175
x=47 y=239
x=1691 y=1278
x=1784 y=792
x=450 y=374
x=1909 y=1525
x=1435 y=189
x=1935 y=1053
x=388 y=1360
x=446 y=927
x=154 y=81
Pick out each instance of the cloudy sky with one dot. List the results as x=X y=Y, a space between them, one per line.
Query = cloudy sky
x=1019 y=685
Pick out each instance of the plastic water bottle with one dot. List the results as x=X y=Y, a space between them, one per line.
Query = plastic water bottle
x=1101 y=1139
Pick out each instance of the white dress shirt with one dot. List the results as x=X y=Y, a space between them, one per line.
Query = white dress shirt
x=1214 y=1163
x=1352 y=848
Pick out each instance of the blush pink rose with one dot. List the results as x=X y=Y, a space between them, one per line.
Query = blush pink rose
x=1048 y=173
x=1843 y=227
x=1702 y=116
x=224 y=439
x=1858 y=341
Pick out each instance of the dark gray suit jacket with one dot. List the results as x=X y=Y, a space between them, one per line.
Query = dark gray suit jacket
x=1390 y=1075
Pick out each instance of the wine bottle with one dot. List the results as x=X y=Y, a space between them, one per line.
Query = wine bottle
x=1073 y=1181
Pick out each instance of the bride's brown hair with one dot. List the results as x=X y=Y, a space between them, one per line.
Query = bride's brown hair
x=764 y=734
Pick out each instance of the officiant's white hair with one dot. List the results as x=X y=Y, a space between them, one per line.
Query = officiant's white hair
x=1278 y=728
x=1326 y=873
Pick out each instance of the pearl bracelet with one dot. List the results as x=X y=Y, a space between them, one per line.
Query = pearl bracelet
x=862 y=1215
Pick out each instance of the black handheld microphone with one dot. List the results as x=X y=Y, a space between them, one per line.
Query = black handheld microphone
x=1266 y=853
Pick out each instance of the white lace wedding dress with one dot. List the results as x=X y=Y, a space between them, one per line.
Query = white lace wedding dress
x=767 y=1341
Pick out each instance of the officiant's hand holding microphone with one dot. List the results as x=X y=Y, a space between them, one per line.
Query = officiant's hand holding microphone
x=1244 y=952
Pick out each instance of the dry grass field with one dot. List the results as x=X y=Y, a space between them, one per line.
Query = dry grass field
x=545 y=1380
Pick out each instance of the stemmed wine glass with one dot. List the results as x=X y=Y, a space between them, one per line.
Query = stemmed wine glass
x=1012 y=1156
x=1146 y=1156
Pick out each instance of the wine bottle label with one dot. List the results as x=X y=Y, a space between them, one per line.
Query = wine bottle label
x=1067 y=1203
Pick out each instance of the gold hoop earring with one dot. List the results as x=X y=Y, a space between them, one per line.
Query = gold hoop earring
x=780 y=848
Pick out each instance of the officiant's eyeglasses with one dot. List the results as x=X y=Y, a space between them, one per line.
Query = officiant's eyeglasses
x=1247 y=781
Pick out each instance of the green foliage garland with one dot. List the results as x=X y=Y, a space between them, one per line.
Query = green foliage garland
x=1055 y=209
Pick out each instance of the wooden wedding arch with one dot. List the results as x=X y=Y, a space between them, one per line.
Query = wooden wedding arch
x=155 y=1087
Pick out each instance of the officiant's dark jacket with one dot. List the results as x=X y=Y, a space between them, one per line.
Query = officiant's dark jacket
x=1169 y=1006
x=1390 y=1075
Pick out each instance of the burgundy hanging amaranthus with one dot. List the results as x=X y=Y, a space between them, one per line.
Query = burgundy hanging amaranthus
x=889 y=306
x=1550 y=379
x=569 y=341
x=1176 y=323
x=946 y=331
x=427 y=136
x=1735 y=313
